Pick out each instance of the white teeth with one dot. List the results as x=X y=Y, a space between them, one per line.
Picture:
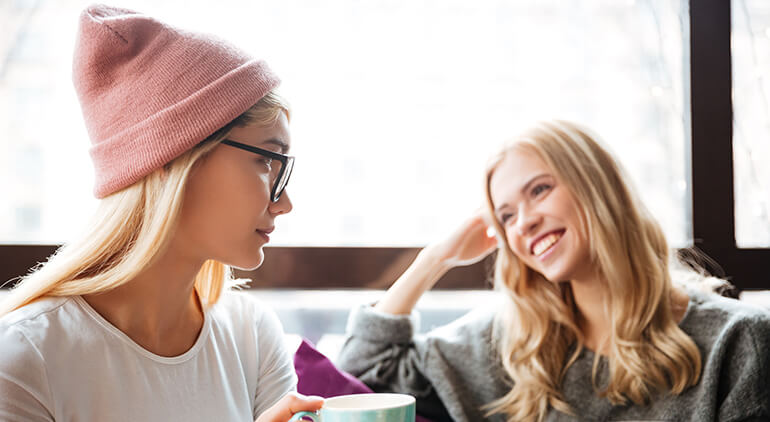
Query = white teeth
x=545 y=243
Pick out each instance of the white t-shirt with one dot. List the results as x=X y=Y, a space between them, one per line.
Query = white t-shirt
x=61 y=361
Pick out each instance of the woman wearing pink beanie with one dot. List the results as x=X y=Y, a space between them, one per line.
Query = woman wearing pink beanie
x=135 y=320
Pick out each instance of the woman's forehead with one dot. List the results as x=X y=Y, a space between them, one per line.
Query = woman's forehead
x=517 y=167
x=274 y=137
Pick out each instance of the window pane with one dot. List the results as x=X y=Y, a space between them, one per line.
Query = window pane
x=397 y=105
x=751 y=126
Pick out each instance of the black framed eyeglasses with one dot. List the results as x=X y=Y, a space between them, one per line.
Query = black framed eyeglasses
x=280 y=173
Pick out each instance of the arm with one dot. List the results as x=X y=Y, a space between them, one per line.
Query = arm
x=466 y=245
x=276 y=369
x=381 y=348
x=451 y=370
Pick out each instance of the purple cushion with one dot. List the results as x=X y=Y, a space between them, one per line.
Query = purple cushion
x=319 y=377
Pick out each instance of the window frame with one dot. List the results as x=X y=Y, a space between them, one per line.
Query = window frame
x=711 y=149
x=711 y=207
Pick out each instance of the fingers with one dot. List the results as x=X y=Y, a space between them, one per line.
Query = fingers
x=468 y=243
x=290 y=404
x=482 y=215
x=298 y=403
x=481 y=223
x=476 y=221
x=483 y=233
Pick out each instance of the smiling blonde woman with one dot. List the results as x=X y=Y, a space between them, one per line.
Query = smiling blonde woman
x=590 y=325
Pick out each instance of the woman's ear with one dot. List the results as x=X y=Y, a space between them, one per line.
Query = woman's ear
x=163 y=172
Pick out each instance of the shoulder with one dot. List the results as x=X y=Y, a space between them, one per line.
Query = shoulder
x=734 y=338
x=41 y=309
x=243 y=312
x=46 y=317
x=39 y=331
x=16 y=348
x=28 y=336
x=710 y=314
x=724 y=327
x=240 y=305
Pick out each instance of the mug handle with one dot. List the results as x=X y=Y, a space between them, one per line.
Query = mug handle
x=300 y=415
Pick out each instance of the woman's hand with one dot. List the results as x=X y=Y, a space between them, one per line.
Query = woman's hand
x=467 y=245
x=290 y=404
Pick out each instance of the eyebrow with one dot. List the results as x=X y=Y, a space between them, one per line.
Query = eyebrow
x=279 y=143
x=524 y=188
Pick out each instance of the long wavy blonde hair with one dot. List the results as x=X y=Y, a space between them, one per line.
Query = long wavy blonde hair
x=132 y=227
x=647 y=352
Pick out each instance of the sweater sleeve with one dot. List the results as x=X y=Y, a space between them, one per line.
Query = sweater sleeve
x=383 y=351
x=449 y=369
x=24 y=392
x=276 y=369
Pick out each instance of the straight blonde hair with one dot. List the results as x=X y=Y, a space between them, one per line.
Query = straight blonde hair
x=133 y=226
x=648 y=353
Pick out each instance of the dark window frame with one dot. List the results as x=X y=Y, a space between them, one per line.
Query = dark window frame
x=712 y=204
x=711 y=147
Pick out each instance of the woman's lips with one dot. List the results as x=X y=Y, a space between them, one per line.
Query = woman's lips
x=265 y=233
x=544 y=244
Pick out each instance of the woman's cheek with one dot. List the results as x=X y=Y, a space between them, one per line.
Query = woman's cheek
x=514 y=242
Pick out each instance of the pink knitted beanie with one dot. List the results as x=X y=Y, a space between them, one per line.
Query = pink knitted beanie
x=149 y=91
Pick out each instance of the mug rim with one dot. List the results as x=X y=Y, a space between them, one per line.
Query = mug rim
x=409 y=400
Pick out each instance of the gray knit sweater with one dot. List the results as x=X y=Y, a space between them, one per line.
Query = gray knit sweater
x=454 y=371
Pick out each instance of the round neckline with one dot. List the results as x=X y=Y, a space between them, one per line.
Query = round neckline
x=123 y=337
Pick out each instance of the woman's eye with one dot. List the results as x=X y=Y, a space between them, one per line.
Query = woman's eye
x=266 y=162
x=537 y=190
x=504 y=218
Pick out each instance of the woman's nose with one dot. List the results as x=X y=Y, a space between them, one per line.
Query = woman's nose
x=282 y=206
x=527 y=221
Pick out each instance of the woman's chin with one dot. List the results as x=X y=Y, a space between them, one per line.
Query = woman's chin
x=554 y=275
x=249 y=264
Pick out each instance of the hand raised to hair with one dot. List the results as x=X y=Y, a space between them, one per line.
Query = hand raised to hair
x=468 y=244
x=290 y=404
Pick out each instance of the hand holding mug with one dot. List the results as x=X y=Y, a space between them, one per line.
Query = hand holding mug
x=289 y=405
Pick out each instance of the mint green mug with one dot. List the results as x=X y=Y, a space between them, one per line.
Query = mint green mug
x=376 y=407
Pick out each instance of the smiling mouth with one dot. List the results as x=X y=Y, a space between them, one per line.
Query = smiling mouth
x=546 y=243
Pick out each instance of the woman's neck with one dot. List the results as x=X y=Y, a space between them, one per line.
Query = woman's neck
x=591 y=312
x=593 y=318
x=159 y=309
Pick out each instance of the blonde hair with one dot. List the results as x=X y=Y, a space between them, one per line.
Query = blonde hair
x=647 y=351
x=133 y=226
